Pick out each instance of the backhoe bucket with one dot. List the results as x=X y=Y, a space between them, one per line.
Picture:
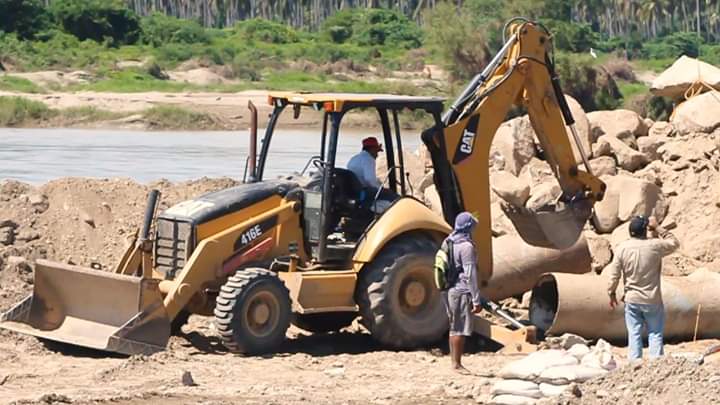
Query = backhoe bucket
x=91 y=308
x=551 y=227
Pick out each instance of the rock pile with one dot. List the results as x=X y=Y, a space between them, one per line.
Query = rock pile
x=549 y=373
x=668 y=380
x=667 y=169
x=75 y=220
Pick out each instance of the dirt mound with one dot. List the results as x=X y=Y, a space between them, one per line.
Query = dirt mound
x=664 y=381
x=75 y=220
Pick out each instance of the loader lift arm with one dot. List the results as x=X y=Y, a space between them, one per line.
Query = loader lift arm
x=521 y=74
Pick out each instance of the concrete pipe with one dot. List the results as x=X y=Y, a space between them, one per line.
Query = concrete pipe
x=579 y=304
x=517 y=266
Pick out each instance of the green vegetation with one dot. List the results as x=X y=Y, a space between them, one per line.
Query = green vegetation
x=169 y=117
x=10 y=83
x=17 y=110
x=314 y=46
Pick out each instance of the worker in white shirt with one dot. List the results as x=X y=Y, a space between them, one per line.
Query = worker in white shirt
x=363 y=166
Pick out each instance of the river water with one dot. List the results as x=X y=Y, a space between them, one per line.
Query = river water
x=39 y=155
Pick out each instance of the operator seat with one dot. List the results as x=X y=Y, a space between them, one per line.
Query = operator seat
x=350 y=201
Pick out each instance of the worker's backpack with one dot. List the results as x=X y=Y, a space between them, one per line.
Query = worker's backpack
x=445 y=273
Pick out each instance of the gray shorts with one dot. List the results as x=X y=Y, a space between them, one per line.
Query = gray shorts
x=459 y=310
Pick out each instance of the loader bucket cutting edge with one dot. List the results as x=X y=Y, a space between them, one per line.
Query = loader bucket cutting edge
x=91 y=308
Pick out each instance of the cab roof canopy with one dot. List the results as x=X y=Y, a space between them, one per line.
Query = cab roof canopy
x=337 y=102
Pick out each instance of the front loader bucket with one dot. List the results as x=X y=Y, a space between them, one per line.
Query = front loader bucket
x=551 y=227
x=91 y=308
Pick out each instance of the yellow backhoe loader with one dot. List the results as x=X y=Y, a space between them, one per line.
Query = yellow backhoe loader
x=315 y=250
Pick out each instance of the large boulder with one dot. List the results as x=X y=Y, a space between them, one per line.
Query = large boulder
x=543 y=194
x=683 y=74
x=627 y=157
x=600 y=251
x=661 y=128
x=582 y=125
x=626 y=197
x=621 y=124
x=603 y=165
x=698 y=114
x=514 y=141
x=536 y=172
x=510 y=188
x=648 y=146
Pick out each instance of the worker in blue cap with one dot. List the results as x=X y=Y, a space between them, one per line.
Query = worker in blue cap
x=639 y=261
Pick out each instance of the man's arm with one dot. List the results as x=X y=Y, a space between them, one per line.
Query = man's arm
x=667 y=241
x=614 y=271
x=469 y=262
x=369 y=173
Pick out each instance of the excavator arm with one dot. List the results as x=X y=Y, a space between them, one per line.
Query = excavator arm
x=522 y=74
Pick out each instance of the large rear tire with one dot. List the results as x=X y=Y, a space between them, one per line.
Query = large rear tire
x=324 y=322
x=398 y=301
x=252 y=311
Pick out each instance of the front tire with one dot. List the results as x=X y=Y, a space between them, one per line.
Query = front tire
x=398 y=300
x=252 y=311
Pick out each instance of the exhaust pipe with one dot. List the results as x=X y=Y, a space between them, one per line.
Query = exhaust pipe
x=252 y=151
x=517 y=265
x=567 y=303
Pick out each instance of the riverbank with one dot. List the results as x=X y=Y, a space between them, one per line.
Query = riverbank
x=147 y=111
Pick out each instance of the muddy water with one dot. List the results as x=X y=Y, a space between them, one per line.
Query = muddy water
x=39 y=155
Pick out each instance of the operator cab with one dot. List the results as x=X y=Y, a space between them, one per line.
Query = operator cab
x=336 y=208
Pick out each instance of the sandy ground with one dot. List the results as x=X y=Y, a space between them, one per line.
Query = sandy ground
x=344 y=368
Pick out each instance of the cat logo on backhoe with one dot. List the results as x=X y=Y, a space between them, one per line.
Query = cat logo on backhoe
x=467 y=140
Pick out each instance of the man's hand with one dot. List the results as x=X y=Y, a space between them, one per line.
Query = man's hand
x=613 y=301
x=652 y=223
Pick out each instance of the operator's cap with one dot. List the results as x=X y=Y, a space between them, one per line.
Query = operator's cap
x=372 y=142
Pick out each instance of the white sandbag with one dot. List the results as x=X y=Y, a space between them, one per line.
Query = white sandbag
x=516 y=387
x=579 y=350
x=600 y=356
x=512 y=400
x=568 y=374
x=530 y=367
x=552 y=390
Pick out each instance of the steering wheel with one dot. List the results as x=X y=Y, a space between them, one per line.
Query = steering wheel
x=318 y=163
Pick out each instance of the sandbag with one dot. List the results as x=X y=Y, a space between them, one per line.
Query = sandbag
x=516 y=387
x=512 y=400
x=552 y=390
x=530 y=367
x=567 y=374
x=600 y=356
x=579 y=350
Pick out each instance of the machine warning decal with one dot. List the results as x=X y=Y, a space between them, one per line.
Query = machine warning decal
x=467 y=141
x=254 y=231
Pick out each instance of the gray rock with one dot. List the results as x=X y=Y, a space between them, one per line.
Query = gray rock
x=515 y=142
x=603 y=166
x=187 y=379
x=7 y=236
x=510 y=188
x=649 y=146
x=543 y=195
x=39 y=202
x=662 y=129
x=627 y=157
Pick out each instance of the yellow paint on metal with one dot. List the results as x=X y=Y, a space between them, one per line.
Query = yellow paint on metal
x=321 y=291
x=405 y=215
